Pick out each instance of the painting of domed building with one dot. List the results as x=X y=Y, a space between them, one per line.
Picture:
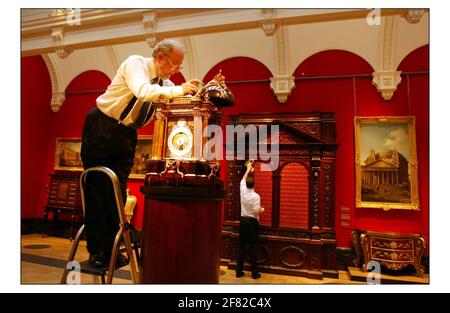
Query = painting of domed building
x=384 y=177
x=386 y=162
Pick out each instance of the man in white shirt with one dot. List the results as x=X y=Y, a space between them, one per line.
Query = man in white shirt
x=249 y=226
x=110 y=135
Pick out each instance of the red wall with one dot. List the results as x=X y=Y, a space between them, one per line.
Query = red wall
x=337 y=95
x=332 y=95
x=36 y=114
x=41 y=126
x=417 y=105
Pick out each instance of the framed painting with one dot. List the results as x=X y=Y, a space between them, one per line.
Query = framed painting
x=386 y=163
x=142 y=154
x=67 y=154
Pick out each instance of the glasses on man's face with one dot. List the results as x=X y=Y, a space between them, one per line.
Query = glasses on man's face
x=174 y=65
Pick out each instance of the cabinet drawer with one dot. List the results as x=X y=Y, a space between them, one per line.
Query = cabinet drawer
x=395 y=244
x=392 y=255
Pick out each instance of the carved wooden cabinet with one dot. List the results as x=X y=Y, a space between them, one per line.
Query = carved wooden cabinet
x=393 y=250
x=297 y=229
x=63 y=198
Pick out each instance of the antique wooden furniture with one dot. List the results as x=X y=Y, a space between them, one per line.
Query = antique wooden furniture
x=63 y=198
x=183 y=198
x=181 y=231
x=393 y=250
x=297 y=230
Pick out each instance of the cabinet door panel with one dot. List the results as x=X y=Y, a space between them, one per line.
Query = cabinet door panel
x=294 y=193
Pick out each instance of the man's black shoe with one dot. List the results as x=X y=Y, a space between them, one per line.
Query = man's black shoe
x=97 y=259
x=239 y=274
x=256 y=275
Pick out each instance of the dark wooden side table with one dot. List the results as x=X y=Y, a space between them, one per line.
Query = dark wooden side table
x=63 y=198
x=182 y=226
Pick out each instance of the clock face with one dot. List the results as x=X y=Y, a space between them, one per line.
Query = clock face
x=180 y=141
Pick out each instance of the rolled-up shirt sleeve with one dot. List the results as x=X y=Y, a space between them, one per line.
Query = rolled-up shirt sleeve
x=137 y=79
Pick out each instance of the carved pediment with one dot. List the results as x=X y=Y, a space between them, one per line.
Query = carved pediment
x=294 y=128
x=288 y=133
x=298 y=133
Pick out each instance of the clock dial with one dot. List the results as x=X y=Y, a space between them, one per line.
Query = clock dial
x=180 y=141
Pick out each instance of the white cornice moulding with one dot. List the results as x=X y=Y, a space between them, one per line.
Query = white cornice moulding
x=386 y=82
x=100 y=27
x=114 y=58
x=282 y=86
x=190 y=71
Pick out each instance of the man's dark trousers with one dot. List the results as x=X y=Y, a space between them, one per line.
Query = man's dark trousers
x=248 y=234
x=107 y=143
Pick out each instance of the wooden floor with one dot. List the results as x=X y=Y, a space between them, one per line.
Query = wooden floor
x=43 y=260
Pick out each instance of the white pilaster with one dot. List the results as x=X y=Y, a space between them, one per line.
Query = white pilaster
x=58 y=94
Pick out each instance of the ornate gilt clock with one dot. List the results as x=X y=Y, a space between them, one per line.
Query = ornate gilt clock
x=179 y=127
x=178 y=142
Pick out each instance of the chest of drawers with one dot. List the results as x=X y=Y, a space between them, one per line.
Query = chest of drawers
x=393 y=250
x=63 y=198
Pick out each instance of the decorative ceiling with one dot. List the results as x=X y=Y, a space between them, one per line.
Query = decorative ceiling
x=72 y=41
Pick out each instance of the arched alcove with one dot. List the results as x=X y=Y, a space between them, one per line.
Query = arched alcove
x=333 y=62
x=88 y=81
x=81 y=94
x=416 y=60
x=321 y=81
x=248 y=79
x=239 y=68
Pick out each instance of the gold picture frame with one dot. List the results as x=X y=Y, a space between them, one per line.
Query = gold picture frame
x=142 y=154
x=386 y=163
x=67 y=154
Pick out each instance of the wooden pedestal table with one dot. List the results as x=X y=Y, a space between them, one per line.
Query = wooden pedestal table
x=181 y=231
